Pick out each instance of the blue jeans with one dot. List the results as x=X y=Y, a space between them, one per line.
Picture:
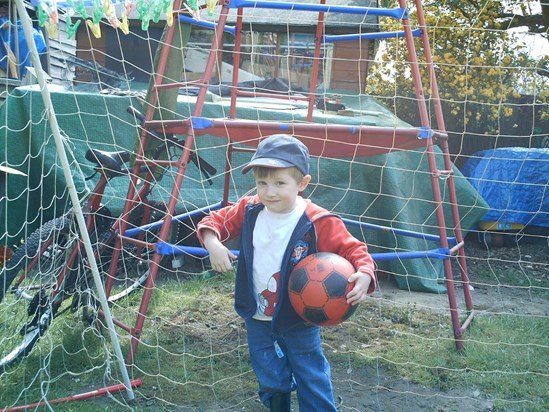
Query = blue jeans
x=292 y=360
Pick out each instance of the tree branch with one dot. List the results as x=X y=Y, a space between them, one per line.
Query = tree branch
x=535 y=23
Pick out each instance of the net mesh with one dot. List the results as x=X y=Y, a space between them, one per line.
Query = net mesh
x=398 y=349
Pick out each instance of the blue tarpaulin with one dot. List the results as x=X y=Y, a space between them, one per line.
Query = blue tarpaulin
x=514 y=182
x=17 y=42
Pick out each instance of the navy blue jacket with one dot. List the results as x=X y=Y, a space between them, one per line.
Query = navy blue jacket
x=317 y=230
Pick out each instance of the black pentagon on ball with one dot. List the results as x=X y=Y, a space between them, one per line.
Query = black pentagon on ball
x=315 y=315
x=298 y=280
x=335 y=285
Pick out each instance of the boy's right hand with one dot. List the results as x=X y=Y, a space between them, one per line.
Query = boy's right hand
x=220 y=256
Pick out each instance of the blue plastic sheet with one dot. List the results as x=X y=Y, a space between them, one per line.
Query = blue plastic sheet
x=514 y=182
x=7 y=33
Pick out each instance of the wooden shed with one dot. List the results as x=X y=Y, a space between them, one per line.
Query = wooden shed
x=345 y=63
x=14 y=51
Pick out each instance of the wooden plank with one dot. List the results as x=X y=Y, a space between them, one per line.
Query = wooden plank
x=350 y=65
x=58 y=50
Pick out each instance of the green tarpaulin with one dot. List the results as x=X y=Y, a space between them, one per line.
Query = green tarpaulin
x=392 y=190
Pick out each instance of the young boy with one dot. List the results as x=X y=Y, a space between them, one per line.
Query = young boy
x=278 y=228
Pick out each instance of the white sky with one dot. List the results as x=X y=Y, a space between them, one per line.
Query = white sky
x=537 y=45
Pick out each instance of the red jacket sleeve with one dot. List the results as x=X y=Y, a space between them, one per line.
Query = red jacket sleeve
x=225 y=222
x=333 y=236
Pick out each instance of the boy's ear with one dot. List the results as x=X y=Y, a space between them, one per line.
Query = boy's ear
x=304 y=182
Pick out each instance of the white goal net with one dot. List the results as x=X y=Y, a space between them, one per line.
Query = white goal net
x=372 y=167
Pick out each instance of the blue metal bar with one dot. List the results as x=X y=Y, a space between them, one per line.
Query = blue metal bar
x=331 y=38
x=182 y=216
x=440 y=253
x=169 y=249
x=403 y=232
x=70 y=4
x=163 y=248
x=207 y=24
x=397 y=13
x=206 y=209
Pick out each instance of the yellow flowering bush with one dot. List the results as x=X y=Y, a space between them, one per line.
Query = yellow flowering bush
x=481 y=69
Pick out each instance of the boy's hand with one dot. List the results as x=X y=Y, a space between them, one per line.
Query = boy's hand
x=360 y=290
x=220 y=256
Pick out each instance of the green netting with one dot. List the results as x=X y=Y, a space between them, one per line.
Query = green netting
x=392 y=190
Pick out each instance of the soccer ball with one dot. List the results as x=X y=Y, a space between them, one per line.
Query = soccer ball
x=318 y=286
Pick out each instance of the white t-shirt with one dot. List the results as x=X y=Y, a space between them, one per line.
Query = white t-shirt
x=271 y=235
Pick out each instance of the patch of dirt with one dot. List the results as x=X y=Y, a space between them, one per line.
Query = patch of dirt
x=491 y=293
x=374 y=390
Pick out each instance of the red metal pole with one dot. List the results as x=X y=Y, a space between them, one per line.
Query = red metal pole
x=447 y=162
x=212 y=57
x=181 y=169
x=316 y=62
x=236 y=62
x=98 y=392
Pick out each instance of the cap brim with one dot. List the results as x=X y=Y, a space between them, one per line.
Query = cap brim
x=268 y=163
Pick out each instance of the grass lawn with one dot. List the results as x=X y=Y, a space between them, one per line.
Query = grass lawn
x=193 y=355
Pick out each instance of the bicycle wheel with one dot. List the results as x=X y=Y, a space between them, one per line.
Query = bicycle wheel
x=26 y=311
x=134 y=262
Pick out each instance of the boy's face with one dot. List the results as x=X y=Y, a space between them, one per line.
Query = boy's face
x=278 y=190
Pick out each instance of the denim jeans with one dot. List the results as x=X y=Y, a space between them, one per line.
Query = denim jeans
x=291 y=361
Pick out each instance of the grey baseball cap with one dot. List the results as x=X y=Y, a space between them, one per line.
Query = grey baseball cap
x=280 y=151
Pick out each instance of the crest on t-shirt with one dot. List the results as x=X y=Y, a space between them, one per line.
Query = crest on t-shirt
x=301 y=249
